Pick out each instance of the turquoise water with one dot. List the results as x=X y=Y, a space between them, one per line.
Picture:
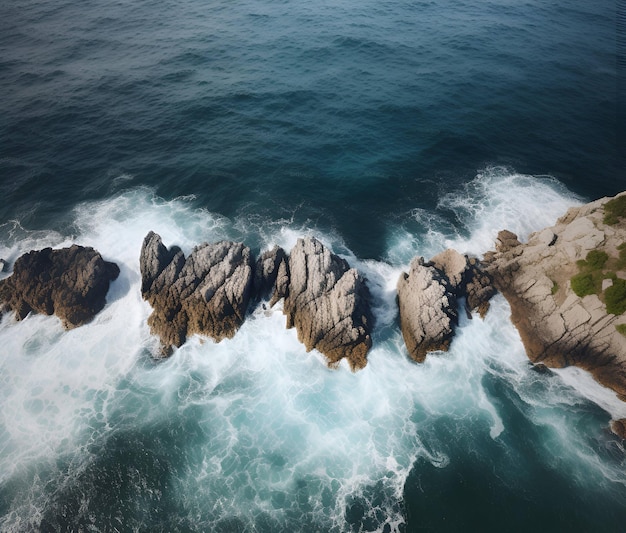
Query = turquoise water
x=387 y=129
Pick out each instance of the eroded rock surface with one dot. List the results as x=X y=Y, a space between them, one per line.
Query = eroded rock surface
x=558 y=327
x=427 y=307
x=206 y=293
x=70 y=283
x=328 y=303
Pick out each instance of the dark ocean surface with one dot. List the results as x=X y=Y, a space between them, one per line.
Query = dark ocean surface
x=386 y=129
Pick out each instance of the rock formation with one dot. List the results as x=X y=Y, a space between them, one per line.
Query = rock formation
x=427 y=309
x=328 y=303
x=558 y=327
x=207 y=293
x=71 y=283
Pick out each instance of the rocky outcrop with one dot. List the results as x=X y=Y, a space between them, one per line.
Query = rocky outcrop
x=328 y=303
x=427 y=307
x=206 y=293
x=70 y=283
x=557 y=327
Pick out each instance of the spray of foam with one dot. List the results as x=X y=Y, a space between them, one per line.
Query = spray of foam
x=276 y=437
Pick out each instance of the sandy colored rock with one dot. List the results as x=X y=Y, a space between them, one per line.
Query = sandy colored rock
x=427 y=309
x=70 y=283
x=559 y=328
x=328 y=303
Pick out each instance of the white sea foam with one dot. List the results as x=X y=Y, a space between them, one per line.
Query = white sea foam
x=276 y=434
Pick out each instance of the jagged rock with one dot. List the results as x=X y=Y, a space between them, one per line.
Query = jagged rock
x=467 y=280
x=3 y=265
x=71 y=283
x=479 y=289
x=271 y=275
x=328 y=303
x=557 y=327
x=506 y=241
x=427 y=309
x=207 y=293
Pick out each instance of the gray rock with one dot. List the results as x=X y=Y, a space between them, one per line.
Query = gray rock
x=328 y=303
x=427 y=309
x=70 y=283
x=3 y=265
x=207 y=293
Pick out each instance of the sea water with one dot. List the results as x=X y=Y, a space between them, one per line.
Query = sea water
x=385 y=129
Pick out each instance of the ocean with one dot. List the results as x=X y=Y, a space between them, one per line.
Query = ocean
x=385 y=129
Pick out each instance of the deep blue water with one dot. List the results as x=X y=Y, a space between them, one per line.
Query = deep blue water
x=388 y=129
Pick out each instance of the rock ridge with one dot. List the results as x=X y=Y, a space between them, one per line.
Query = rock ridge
x=209 y=293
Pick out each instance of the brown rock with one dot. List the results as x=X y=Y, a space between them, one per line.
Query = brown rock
x=619 y=428
x=71 y=283
x=328 y=303
x=207 y=293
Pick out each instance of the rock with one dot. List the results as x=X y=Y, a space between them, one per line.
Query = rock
x=559 y=328
x=207 y=293
x=328 y=303
x=619 y=428
x=3 y=265
x=506 y=241
x=454 y=266
x=479 y=289
x=606 y=283
x=70 y=283
x=467 y=280
x=427 y=309
x=271 y=275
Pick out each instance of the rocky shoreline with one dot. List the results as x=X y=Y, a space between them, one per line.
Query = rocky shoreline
x=563 y=287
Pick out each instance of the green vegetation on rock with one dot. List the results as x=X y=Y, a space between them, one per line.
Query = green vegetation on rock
x=621 y=328
x=583 y=284
x=555 y=288
x=615 y=297
x=614 y=210
x=595 y=260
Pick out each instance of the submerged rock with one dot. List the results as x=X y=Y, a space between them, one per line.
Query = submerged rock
x=70 y=283
x=427 y=307
x=328 y=303
x=207 y=293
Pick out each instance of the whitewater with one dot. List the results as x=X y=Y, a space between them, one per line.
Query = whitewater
x=256 y=434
